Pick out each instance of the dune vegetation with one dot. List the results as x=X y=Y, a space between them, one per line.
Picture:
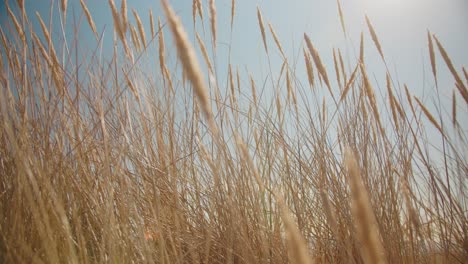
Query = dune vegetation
x=109 y=160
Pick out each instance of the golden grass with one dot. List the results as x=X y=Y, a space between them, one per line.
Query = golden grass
x=124 y=16
x=350 y=83
x=459 y=83
x=89 y=18
x=205 y=53
x=369 y=92
x=153 y=30
x=276 y=39
x=233 y=12
x=213 y=22
x=45 y=31
x=63 y=7
x=429 y=116
x=120 y=25
x=106 y=160
x=200 y=9
x=135 y=38
x=375 y=38
x=310 y=69
x=262 y=28
x=17 y=25
x=454 y=109
x=253 y=89
x=337 y=71
x=340 y=12
x=318 y=62
x=391 y=99
x=141 y=30
x=297 y=246
x=367 y=231
x=432 y=55
x=189 y=60
x=194 y=12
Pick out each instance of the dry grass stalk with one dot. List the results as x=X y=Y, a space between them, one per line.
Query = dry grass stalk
x=131 y=86
x=317 y=61
x=262 y=28
x=278 y=105
x=54 y=62
x=45 y=31
x=349 y=84
x=429 y=115
x=461 y=87
x=238 y=80
x=343 y=71
x=372 y=249
x=252 y=86
x=331 y=217
x=454 y=109
x=340 y=12
x=213 y=22
x=398 y=108
x=63 y=6
x=189 y=61
x=465 y=73
x=361 y=49
x=247 y=158
x=231 y=84
x=153 y=31
x=88 y=17
x=324 y=112
x=135 y=39
x=200 y=9
x=194 y=12
x=392 y=101
x=124 y=15
x=371 y=96
x=276 y=39
x=43 y=51
x=374 y=38
x=408 y=98
x=116 y=19
x=17 y=25
x=162 y=52
x=141 y=30
x=5 y=44
x=119 y=28
x=233 y=12
x=432 y=56
x=297 y=246
x=337 y=71
x=310 y=70
x=205 y=53
x=20 y=4
x=288 y=85
x=395 y=105
x=206 y=155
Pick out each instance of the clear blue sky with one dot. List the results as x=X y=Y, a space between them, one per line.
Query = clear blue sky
x=400 y=24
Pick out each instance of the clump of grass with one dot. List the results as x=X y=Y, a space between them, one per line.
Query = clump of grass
x=104 y=160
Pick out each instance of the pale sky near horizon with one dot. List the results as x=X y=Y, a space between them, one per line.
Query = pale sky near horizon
x=400 y=25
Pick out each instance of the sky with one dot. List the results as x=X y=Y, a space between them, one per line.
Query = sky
x=401 y=26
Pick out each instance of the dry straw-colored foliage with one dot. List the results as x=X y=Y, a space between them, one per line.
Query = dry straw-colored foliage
x=105 y=159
